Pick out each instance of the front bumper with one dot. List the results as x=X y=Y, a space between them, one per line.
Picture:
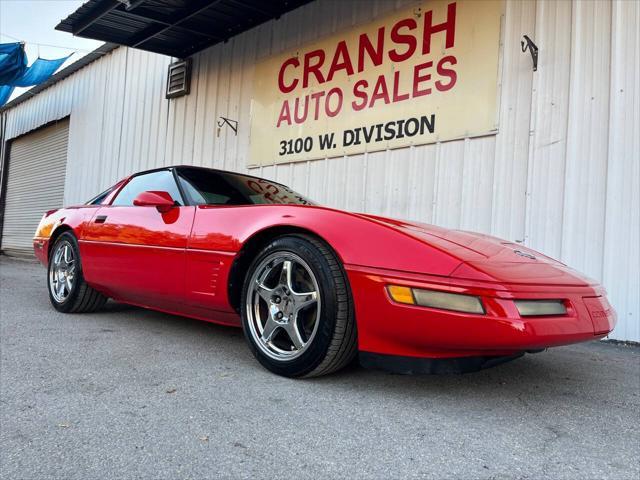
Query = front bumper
x=389 y=328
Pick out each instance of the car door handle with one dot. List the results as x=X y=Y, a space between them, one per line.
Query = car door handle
x=100 y=219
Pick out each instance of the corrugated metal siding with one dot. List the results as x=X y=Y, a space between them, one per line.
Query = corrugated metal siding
x=512 y=141
x=621 y=252
x=561 y=175
x=548 y=134
x=587 y=138
x=35 y=184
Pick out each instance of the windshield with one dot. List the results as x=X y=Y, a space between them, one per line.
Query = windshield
x=210 y=187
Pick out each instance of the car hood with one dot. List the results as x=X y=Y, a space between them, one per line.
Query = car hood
x=490 y=258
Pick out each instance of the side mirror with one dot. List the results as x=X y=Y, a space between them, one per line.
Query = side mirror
x=161 y=200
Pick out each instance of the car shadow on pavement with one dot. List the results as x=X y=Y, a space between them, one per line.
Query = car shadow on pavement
x=559 y=371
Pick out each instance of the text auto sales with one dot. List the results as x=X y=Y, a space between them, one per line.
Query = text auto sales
x=405 y=39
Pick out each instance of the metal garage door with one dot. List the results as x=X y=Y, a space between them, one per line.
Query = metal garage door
x=35 y=184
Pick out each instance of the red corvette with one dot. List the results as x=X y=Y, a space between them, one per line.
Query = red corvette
x=311 y=286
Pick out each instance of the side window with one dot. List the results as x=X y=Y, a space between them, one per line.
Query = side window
x=211 y=187
x=159 y=181
x=206 y=187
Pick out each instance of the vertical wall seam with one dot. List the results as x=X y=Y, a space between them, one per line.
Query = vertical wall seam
x=166 y=123
x=104 y=113
x=606 y=172
x=501 y=92
x=195 y=109
x=365 y=166
x=566 y=127
x=531 y=139
x=434 y=195
x=124 y=96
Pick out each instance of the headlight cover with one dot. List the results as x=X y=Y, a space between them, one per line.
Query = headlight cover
x=540 y=308
x=436 y=299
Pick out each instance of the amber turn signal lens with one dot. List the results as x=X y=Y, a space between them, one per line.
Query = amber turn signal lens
x=401 y=294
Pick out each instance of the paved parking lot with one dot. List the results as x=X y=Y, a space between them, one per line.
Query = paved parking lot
x=129 y=393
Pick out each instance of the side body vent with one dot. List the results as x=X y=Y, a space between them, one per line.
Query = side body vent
x=179 y=79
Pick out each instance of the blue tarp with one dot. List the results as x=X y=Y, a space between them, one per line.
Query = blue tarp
x=14 y=71
x=13 y=62
x=5 y=93
x=39 y=71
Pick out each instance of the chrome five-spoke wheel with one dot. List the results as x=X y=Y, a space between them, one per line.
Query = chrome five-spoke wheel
x=283 y=306
x=296 y=308
x=62 y=273
x=68 y=290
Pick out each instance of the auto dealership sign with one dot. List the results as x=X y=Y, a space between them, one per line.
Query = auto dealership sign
x=424 y=74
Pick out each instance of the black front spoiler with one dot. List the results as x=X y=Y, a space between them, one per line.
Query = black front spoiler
x=431 y=366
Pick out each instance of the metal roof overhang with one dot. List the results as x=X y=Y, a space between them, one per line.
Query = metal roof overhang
x=177 y=28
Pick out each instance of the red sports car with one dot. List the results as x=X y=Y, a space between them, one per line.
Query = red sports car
x=312 y=287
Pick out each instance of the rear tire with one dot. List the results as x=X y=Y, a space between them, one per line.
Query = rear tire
x=297 y=310
x=68 y=291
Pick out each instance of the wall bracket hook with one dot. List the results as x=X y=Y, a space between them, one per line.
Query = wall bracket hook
x=233 y=124
x=533 y=49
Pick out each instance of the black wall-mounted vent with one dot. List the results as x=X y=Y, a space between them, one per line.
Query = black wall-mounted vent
x=179 y=79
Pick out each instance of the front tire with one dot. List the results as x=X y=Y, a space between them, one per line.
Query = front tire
x=68 y=291
x=297 y=310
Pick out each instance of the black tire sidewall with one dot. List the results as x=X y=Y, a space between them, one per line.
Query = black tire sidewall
x=316 y=352
x=68 y=304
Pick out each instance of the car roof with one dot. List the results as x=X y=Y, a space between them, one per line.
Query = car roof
x=173 y=167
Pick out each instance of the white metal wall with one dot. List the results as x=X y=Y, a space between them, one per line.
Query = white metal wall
x=561 y=176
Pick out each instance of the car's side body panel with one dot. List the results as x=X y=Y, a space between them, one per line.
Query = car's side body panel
x=138 y=254
x=207 y=279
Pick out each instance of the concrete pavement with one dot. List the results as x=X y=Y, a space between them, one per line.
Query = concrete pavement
x=130 y=393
